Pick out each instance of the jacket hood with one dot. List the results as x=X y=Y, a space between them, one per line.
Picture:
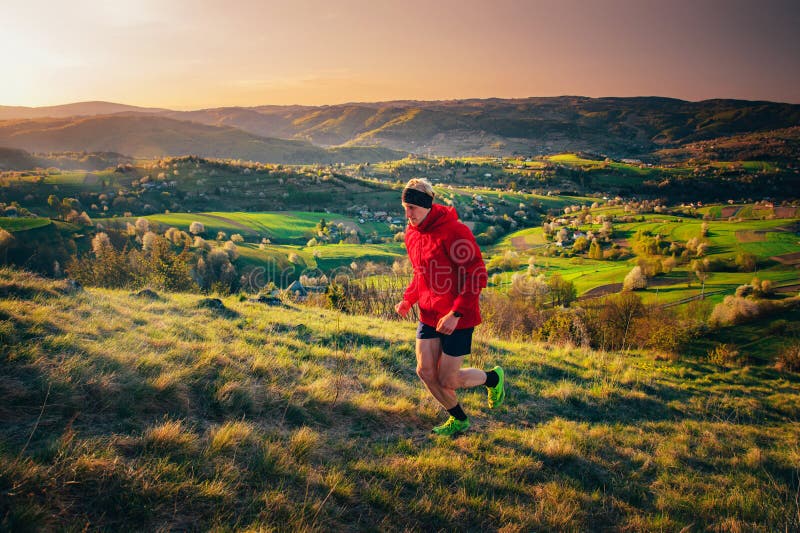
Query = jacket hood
x=438 y=216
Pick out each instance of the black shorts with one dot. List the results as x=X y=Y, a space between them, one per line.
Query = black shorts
x=456 y=344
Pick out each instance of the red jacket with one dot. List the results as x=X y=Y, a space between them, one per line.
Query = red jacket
x=448 y=268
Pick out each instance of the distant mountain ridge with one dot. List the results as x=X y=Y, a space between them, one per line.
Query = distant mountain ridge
x=73 y=110
x=621 y=127
x=151 y=135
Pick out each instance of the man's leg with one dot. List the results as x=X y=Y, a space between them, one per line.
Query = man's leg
x=429 y=357
x=429 y=354
x=452 y=376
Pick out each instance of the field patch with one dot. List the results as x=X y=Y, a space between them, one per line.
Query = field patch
x=785 y=212
x=611 y=288
x=751 y=236
x=14 y=224
x=787 y=259
x=229 y=222
x=729 y=211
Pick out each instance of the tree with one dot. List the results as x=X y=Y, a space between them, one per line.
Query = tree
x=142 y=225
x=6 y=240
x=580 y=244
x=595 y=251
x=196 y=228
x=165 y=269
x=635 y=280
x=337 y=299
x=529 y=289
x=700 y=269
x=618 y=314
x=562 y=292
x=231 y=249
x=54 y=202
x=746 y=261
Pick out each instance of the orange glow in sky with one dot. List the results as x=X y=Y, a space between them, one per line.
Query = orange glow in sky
x=209 y=53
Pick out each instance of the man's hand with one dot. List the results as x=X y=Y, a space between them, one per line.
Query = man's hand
x=447 y=324
x=402 y=308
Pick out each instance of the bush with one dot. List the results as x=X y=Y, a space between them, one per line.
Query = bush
x=564 y=327
x=789 y=358
x=509 y=261
x=746 y=261
x=509 y=317
x=733 y=310
x=661 y=331
x=743 y=291
x=611 y=320
x=724 y=355
x=778 y=327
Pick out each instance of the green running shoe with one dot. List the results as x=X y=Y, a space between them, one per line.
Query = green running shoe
x=497 y=394
x=452 y=427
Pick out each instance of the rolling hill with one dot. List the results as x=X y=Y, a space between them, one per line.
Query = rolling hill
x=72 y=110
x=618 y=127
x=148 y=136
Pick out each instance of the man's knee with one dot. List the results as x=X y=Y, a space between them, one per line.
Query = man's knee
x=427 y=374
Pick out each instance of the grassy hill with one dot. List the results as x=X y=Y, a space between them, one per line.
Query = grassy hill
x=121 y=412
x=615 y=126
x=148 y=136
x=618 y=127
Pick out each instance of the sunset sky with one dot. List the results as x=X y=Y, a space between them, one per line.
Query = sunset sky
x=188 y=54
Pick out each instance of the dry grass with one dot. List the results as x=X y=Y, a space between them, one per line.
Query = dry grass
x=119 y=413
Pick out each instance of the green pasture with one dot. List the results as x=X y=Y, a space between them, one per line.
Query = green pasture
x=277 y=226
x=750 y=166
x=586 y=274
x=14 y=224
x=533 y=165
x=329 y=257
x=326 y=258
x=743 y=211
x=81 y=178
x=593 y=165
x=719 y=284
x=722 y=235
x=271 y=256
x=464 y=195
x=520 y=240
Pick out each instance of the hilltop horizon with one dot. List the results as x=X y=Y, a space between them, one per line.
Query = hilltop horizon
x=395 y=101
x=615 y=126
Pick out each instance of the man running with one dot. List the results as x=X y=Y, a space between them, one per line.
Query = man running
x=449 y=274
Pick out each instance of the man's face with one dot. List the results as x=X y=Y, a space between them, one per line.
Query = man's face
x=415 y=214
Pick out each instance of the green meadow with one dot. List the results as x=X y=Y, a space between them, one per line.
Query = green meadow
x=765 y=239
x=327 y=258
x=283 y=226
x=122 y=412
x=13 y=224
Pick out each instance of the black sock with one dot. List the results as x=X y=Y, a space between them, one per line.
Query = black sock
x=492 y=379
x=458 y=413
